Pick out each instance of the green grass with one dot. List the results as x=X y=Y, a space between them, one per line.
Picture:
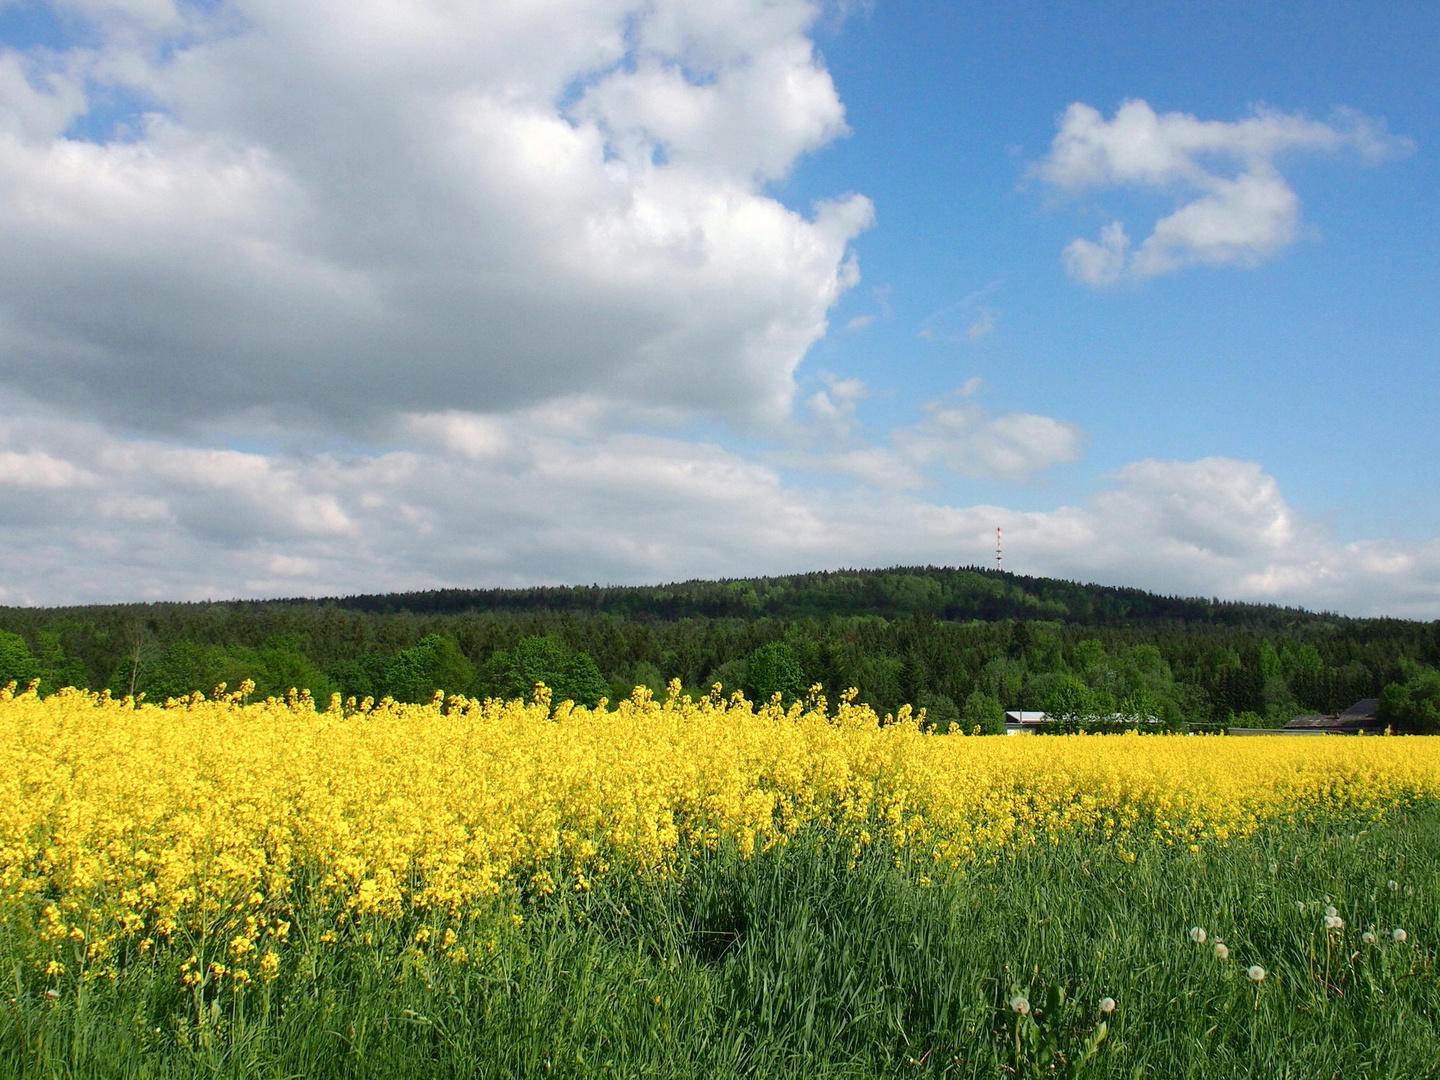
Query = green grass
x=796 y=964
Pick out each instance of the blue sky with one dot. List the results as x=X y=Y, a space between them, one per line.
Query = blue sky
x=306 y=298
x=1321 y=363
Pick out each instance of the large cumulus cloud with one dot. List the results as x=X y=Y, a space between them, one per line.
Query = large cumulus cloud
x=328 y=211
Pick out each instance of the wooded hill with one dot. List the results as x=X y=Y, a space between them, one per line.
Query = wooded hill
x=964 y=643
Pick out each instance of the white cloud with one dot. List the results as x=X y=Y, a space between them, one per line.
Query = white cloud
x=37 y=469
x=1098 y=264
x=968 y=319
x=1215 y=507
x=833 y=408
x=964 y=438
x=1234 y=205
x=955 y=435
x=985 y=320
x=342 y=210
x=518 y=506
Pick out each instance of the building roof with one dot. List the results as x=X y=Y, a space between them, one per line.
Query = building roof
x=1359 y=715
x=1315 y=720
x=1025 y=716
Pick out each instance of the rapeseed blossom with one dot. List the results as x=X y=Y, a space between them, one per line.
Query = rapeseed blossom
x=124 y=824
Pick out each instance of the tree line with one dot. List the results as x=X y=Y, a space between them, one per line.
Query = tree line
x=964 y=644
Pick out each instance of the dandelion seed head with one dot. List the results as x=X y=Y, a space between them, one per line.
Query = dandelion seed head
x=1197 y=935
x=1256 y=973
x=1400 y=935
x=1334 y=922
x=1330 y=911
x=1222 y=951
x=1368 y=938
x=1107 y=1005
x=1020 y=1005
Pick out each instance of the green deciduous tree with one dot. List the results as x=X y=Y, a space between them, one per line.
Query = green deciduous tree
x=773 y=669
x=17 y=664
x=1414 y=705
x=178 y=670
x=984 y=711
x=570 y=674
x=1071 y=703
x=56 y=668
x=941 y=712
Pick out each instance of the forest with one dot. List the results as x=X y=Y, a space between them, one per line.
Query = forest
x=963 y=644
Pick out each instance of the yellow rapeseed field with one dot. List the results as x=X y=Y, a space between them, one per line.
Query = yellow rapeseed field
x=122 y=824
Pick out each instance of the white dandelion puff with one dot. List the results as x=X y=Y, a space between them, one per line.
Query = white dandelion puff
x=1368 y=938
x=1400 y=935
x=1197 y=935
x=1020 y=1005
x=1256 y=973
x=1107 y=1005
x=1222 y=951
x=1334 y=922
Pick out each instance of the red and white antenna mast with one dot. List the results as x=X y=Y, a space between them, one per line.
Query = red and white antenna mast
x=997 y=547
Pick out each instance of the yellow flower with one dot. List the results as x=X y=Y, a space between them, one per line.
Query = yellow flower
x=213 y=812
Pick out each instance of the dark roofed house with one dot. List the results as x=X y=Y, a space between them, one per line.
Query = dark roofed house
x=1363 y=710
x=1358 y=717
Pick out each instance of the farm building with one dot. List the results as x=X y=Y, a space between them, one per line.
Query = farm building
x=1023 y=721
x=1358 y=717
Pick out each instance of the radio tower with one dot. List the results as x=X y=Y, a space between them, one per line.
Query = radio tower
x=997 y=547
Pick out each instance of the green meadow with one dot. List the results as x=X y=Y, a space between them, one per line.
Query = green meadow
x=800 y=963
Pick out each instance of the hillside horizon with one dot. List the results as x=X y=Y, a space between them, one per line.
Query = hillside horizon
x=958 y=592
